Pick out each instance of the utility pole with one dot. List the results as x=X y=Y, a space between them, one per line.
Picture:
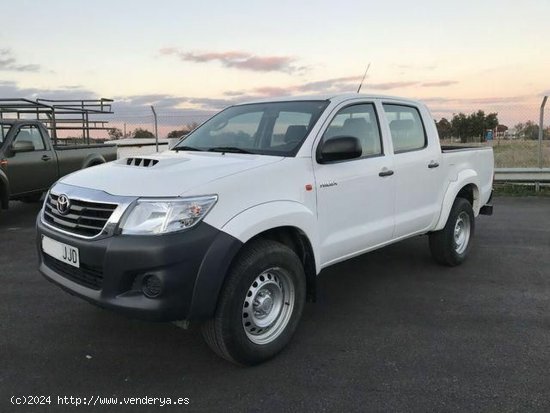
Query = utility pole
x=124 y=136
x=156 y=128
x=541 y=128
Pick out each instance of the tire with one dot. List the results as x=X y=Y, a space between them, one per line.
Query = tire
x=451 y=245
x=260 y=304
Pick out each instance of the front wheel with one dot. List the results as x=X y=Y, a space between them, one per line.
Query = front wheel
x=260 y=305
x=450 y=246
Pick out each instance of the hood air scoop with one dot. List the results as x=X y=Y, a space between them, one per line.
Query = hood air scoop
x=141 y=162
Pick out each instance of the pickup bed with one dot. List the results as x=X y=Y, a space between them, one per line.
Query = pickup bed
x=232 y=226
x=30 y=163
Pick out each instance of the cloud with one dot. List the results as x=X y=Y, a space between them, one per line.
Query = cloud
x=233 y=93
x=441 y=83
x=272 y=91
x=389 y=85
x=326 y=86
x=160 y=100
x=419 y=67
x=10 y=89
x=338 y=84
x=9 y=63
x=238 y=60
x=344 y=84
x=472 y=102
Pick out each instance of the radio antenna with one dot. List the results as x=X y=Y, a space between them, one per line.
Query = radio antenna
x=362 y=80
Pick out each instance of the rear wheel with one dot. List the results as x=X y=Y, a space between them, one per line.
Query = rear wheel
x=450 y=246
x=260 y=305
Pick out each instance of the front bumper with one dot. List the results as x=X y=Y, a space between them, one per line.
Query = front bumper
x=190 y=265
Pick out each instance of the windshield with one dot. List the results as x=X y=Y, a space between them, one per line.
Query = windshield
x=4 y=129
x=273 y=128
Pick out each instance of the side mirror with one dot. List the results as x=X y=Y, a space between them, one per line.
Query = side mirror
x=339 y=148
x=22 y=146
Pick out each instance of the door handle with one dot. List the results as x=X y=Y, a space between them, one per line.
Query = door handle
x=433 y=164
x=45 y=158
x=385 y=172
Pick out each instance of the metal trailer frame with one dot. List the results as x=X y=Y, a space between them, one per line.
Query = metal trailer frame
x=60 y=114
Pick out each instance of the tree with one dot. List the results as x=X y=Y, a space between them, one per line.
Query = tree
x=491 y=121
x=501 y=128
x=444 y=128
x=140 y=133
x=500 y=131
x=459 y=127
x=114 y=133
x=177 y=133
x=473 y=125
x=527 y=130
x=531 y=130
x=191 y=126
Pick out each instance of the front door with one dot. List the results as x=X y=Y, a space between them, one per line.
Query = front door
x=34 y=168
x=355 y=198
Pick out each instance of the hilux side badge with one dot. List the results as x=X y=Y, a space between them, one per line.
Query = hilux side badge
x=328 y=184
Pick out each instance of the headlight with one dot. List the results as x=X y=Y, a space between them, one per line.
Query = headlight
x=160 y=216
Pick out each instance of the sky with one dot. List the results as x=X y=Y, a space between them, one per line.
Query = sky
x=196 y=57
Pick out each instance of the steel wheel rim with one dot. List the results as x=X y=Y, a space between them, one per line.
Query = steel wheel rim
x=268 y=305
x=461 y=233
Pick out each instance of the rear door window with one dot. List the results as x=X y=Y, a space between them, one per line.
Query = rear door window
x=406 y=127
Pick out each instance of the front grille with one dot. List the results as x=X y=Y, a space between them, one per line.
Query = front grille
x=86 y=275
x=83 y=218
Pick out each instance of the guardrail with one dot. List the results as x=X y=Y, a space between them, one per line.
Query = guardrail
x=536 y=176
x=522 y=174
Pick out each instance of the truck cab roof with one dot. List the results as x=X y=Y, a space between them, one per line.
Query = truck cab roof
x=335 y=98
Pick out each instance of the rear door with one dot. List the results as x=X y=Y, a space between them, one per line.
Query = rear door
x=416 y=165
x=354 y=202
x=35 y=169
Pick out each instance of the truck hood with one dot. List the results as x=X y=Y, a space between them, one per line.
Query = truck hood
x=165 y=174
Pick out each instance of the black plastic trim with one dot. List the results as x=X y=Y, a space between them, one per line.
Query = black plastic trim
x=191 y=265
x=486 y=210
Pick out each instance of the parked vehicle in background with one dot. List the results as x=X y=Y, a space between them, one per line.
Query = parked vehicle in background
x=31 y=161
x=232 y=226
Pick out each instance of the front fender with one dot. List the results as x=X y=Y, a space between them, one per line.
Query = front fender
x=263 y=217
x=465 y=177
x=233 y=235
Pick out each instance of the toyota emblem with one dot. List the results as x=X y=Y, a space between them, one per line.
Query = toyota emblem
x=63 y=204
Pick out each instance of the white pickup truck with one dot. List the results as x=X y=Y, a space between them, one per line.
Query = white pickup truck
x=232 y=226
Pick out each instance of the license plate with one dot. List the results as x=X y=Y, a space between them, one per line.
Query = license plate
x=60 y=251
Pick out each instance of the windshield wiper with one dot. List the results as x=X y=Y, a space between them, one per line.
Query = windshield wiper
x=229 y=149
x=186 y=148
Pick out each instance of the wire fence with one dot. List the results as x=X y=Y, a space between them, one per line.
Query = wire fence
x=127 y=124
x=514 y=137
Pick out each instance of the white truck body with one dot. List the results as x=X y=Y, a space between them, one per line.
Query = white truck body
x=360 y=213
x=366 y=171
